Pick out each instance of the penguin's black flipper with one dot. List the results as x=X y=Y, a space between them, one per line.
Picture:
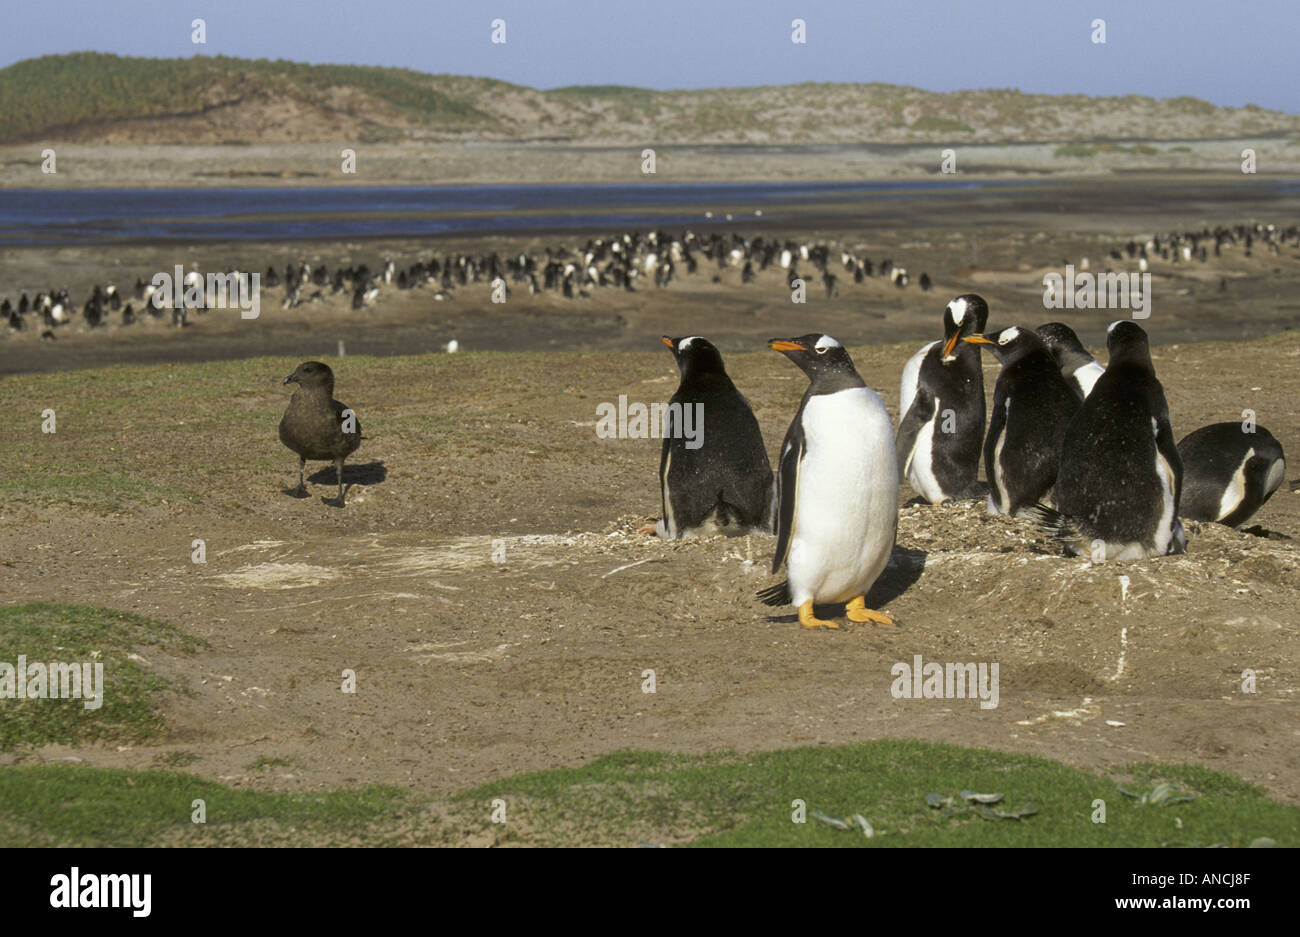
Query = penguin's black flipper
x=909 y=427
x=778 y=594
x=788 y=489
x=997 y=423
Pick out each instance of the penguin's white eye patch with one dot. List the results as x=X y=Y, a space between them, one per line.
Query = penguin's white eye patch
x=958 y=309
x=825 y=343
x=821 y=349
x=1007 y=335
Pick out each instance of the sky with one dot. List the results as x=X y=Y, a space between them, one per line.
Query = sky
x=1230 y=52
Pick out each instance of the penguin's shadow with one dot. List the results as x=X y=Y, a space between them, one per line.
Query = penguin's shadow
x=978 y=491
x=1259 y=530
x=365 y=473
x=904 y=569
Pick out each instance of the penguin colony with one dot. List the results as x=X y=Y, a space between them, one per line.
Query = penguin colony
x=623 y=262
x=1094 y=441
x=627 y=262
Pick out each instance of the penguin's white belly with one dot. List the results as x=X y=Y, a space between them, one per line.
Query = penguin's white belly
x=999 y=483
x=847 y=512
x=911 y=380
x=1167 y=527
x=920 y=468
x=1235 y=493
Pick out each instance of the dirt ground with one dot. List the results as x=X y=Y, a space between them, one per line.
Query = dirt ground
x=470 y=669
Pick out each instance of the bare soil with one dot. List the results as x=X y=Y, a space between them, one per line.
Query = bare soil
x=470 y=669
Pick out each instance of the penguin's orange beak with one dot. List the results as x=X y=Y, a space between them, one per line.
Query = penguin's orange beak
x=978 y=340
x=950 y=345
x=777 y=344
x=667 y=341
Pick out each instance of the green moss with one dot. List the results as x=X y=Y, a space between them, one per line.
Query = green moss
x=72 y=634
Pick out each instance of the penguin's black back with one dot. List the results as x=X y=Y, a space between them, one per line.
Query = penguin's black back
x=729 y=473
x=1042 y=405
x=1108 y=459
x=1213 y=455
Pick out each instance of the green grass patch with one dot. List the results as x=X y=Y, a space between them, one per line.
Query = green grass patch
x=699 y=800
x=61 y=90
x=140 y=412
x=67 y=634
x=77 y=806
x=726 y=800
x=74 y=482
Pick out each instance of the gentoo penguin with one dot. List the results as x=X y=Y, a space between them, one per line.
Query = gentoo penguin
x=1117 y=493
x=1229 y=472
x=316 y=426
x=837 y=488
x=941 y=408
x=714 y=480
x=1080 y=369
x=1031 y=406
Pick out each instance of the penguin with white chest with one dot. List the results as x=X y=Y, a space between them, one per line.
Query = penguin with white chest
x=719 y=481
x=837 y=488
x=1079 y=368
x=1229 y=471
x=1117 y=493
x=941 y=408
x=1032 y=404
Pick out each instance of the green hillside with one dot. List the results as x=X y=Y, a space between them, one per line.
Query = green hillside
x=95 y=97
x=37 y=95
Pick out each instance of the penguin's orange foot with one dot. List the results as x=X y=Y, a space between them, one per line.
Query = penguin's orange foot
x=857 y=611
x=646 y=529
x=808 y=620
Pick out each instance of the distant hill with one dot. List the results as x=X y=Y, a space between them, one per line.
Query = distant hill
x=97 y=98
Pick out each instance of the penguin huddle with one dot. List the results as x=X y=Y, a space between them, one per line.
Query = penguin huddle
x=1098 y=442
x=1120 y=474
x=1229 y=470
x=1095 y=442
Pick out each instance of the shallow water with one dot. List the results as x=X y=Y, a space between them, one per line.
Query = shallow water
x=32 y=217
